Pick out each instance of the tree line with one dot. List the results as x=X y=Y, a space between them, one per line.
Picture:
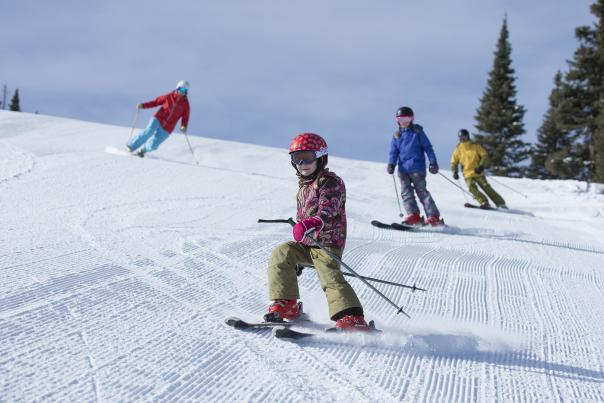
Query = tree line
x=570 y=140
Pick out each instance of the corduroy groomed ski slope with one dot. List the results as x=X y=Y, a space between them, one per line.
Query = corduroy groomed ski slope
x=118 y=272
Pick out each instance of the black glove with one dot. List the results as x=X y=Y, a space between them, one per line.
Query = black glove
x=390 y=168
x=455 y=175
x=433 y=169
x=479 y=169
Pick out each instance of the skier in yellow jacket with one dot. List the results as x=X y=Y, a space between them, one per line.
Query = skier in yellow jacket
x=473 y=158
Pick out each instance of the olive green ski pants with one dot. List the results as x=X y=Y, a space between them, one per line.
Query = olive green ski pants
x=474 y=182
x=283 y=281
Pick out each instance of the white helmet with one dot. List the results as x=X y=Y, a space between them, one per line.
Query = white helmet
x=183 y=84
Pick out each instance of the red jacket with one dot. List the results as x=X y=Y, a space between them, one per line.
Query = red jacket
x=173 y=107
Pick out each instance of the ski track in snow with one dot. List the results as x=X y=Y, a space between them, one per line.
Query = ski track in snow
x=118 y=273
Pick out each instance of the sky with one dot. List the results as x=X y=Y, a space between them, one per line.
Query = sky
x=262 y=71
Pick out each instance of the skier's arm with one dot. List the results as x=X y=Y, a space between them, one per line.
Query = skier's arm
x=185 y=117
x=455 y=160
x=332 y=196
x=427 y=145
x=394 y=151
x=156 y=102
x=484 y=157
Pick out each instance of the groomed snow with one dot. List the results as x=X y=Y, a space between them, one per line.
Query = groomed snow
x=117 y=274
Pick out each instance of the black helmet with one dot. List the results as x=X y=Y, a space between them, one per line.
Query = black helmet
x=404 y=111
x=463 y=133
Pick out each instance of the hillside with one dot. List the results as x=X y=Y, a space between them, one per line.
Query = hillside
x=118 y=272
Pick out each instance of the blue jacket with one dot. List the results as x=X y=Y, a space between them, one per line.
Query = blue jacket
x=407 y=150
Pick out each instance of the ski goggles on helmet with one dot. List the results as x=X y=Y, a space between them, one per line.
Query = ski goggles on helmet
x=182 y=90
x=404 y=120
x=303 y=157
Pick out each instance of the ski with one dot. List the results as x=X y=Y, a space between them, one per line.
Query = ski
x=287 y=333
x=404 y=227
x=123 y=152
x=242 y=325
x=470 y=205
x=394 y=225
x=489 y=208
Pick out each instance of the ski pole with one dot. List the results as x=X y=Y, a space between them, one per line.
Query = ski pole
x=133 y=125
x=453 y=183
x=191 y=148
x=278 y=221
x=463 y=193
x=291 y=222
x=398 y=197
x=413 y=287
x=506 y=186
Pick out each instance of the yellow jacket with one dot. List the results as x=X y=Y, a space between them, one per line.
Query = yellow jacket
x=469 y=155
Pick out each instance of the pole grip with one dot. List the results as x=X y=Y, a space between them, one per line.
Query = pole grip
x=278 y=220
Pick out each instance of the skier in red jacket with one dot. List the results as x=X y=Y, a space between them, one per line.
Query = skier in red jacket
x=174 y=106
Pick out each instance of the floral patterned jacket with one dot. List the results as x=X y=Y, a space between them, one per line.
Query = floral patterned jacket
x=324 y=197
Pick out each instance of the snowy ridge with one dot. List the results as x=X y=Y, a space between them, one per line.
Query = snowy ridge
x=118 y=273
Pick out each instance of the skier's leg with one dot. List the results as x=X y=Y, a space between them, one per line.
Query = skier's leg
x=154 y=141
x=282 y=278
x=473 y=188
x=493 y=195
x=419 y=183
x=143 y=136
x=340 y=295
x=408 y=194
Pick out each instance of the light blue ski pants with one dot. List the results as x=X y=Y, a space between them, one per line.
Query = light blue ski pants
x=152 y=137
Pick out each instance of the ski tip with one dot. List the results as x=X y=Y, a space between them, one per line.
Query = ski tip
x=284 y=332
x=372 y=328
x=236 y=323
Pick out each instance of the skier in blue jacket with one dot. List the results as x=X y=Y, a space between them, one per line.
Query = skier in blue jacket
x=407 y=149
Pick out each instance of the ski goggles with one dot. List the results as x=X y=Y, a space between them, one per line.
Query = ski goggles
x=303 y=157
x=182 y=90
x=404 y=120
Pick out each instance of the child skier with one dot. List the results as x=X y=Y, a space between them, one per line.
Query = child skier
x=473 y=158
x=174 y=106
x=407 y=149
x=321 y=215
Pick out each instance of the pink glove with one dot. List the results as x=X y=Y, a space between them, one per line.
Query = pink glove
x=304 y=227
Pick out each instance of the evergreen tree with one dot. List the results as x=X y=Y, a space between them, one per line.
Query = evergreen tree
x=583 y=102
x=499 y=118
x=551 y=139
x=14 y=102
x=597 y=9
x=598 y=157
